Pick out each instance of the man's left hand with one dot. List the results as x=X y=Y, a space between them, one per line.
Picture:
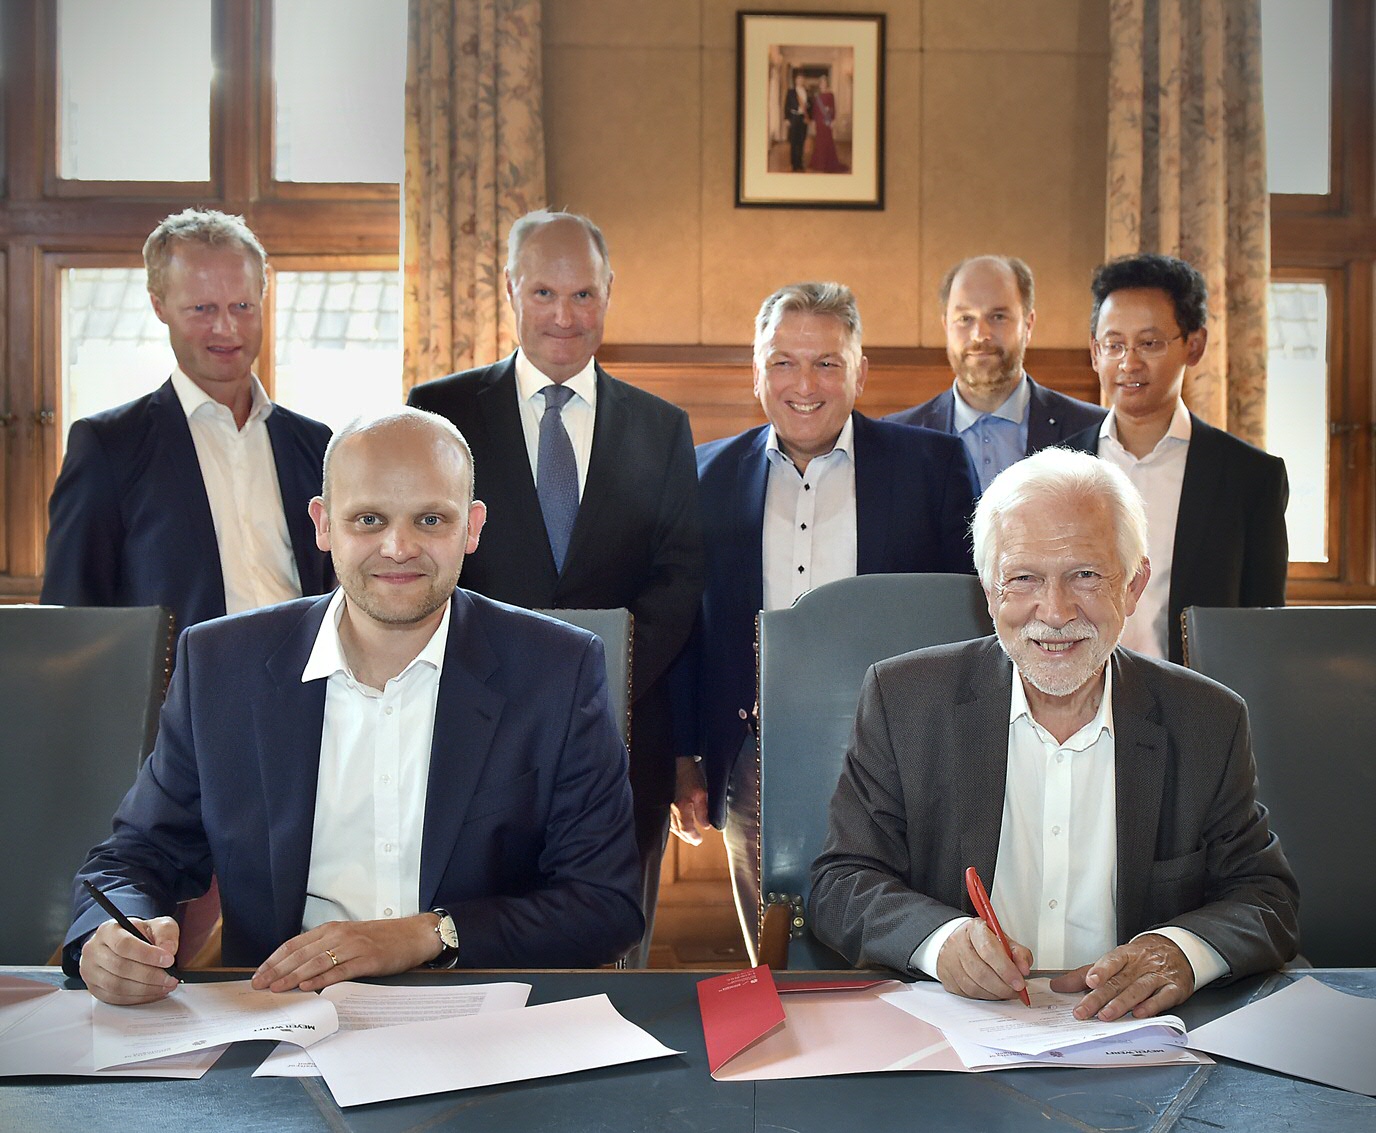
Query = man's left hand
x=345 y=950
x=1145 y=976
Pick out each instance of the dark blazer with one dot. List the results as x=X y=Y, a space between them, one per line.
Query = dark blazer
x=1052 y=416
x=921 y=798
x=129 y=520
x=914 y=492
x=1231 y=547
x=527 y=836
x=636 y=542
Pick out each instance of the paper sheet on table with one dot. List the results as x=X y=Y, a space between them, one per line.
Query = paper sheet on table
x=195 y=1016
x=1159 y=1046
x=1010 y=1025
x=50 y=1033
x=1307 y=1030
x=362 y=1006
x=481 y=1050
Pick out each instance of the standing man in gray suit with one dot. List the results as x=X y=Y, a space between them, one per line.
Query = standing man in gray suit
x=1002 y=415
x=1110 y=797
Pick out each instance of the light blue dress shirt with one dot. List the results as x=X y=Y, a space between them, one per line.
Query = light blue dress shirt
x=994 y=440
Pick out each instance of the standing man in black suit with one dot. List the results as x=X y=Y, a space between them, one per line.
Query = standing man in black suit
x=1215 y=504
x=795 y=111
x=194 y=496
x=592 y=488
x=1001 y=414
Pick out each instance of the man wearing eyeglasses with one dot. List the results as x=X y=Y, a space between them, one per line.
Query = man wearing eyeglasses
x=1215 y=504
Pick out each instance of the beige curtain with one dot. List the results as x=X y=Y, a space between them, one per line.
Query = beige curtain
x=475 y=161
x=1187 y=177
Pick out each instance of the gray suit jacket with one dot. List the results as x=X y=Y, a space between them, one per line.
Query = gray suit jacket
x=921 y=798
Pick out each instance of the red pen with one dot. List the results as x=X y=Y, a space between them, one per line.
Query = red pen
x=980 y=897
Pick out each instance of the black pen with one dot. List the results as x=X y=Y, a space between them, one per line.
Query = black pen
x=124 y=922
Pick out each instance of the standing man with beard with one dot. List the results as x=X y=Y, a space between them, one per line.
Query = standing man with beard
x=1000 y=413
x=1111 y=797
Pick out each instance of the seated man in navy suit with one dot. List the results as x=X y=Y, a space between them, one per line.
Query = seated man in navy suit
x=820 y=493
x=988 y=308
x=194 y=496
x=400 y=774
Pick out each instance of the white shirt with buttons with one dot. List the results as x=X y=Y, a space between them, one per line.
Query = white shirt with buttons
x=809 y=520
x=370 y=794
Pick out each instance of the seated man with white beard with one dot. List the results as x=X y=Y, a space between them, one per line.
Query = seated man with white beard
x=1110 y=797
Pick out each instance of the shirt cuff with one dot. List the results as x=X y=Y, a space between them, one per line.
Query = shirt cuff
x=1206 y=964
x=924 y=955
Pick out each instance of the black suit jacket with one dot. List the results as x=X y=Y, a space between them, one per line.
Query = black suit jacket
x=1231 y=547
x=921 y=796
x=637 y=541
x=914 y=491
x=129 y=520
x=527 y=836
x=1052 y=416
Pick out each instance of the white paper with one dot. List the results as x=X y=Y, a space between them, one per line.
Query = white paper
x=1308 y=1030
x=1010 y=1025
x=52 y=1035
x=481 y=1050
x=195 y=1016
x=363 y=1006
x=1154 y=1046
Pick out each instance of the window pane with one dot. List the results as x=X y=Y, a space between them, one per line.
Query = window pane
x=339 y=70
x=1296 y=73
x=338 y=343
x=114 y=349
x=1297 y=410
x=135 y=90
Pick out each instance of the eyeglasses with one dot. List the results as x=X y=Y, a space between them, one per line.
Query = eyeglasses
x=1149 y=348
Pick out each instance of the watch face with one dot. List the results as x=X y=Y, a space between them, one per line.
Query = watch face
x=449 y=934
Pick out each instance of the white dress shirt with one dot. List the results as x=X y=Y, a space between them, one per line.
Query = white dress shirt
x=1159 y=476
x=1055 y=886
x=809 y=520
x=579 y=413
x=240 y=477
x=370 y=794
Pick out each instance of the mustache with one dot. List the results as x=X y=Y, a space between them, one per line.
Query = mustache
x=1036 y=632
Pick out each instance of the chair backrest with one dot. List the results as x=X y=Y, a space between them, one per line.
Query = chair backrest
x=614 y=627
x=1308 y=675
x=812 y=660
x=80 y=691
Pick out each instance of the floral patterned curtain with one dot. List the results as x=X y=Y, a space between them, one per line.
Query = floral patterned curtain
x=475 y=161
x=1187 y=177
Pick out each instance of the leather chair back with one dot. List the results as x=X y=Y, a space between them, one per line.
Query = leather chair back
x=812 y=660
x=614 y=627
x=1308 y=675
x=80 y=691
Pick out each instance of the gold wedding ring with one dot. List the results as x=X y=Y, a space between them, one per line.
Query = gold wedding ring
x=334 y=960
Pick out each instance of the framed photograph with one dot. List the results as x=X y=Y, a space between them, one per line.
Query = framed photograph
x=809 y=110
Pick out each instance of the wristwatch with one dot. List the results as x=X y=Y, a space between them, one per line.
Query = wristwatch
x=448 y=932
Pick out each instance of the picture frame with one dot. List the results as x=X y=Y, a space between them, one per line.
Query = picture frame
x=829 y=153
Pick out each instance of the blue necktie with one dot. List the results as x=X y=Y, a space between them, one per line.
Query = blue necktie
x=556 y=480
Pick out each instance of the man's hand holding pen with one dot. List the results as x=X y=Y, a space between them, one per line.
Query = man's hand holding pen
x=121 y=968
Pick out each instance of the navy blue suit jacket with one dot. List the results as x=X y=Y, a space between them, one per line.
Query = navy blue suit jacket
x=1231 y=547
x=1052 y=417
x=914 y=492
x=636 y=542
x=129 y=520
x=527 y=835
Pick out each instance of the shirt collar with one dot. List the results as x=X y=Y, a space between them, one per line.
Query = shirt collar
x=1181 y=427
x=1086 y=736
x=845 y=443
x=327 y=654
x=530 y=381
x=1014 y=407
x=192 y=397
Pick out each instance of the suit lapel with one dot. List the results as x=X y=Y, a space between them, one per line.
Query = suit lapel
x=981 y=727
x=1139 y=779
x=1200 y=492
x=287 y=720
x=1040 y=432
x=466 y=715
x=291 y=460
x=178 y=452
x=874 y=484
x=751 y=485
